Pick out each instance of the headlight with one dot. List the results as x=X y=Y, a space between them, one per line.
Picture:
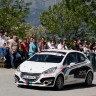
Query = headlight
x=49 y=71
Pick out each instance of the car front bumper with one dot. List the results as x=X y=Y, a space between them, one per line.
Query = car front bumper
x=47 y=81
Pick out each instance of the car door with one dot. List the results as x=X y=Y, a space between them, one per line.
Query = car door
x=71 y=68
x=82 y=67
x=77 y=71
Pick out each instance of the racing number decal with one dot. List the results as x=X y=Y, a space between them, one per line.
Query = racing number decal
x=79 y=72
x=83 y=72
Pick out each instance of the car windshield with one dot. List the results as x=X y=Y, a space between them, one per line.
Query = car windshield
x=46 y=58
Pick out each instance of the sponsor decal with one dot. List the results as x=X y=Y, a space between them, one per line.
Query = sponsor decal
x=79 y=72
x=30 y=83
x=66 y=77
x=65 y=70
x=27 y=83
x=47 y=74
x=71 y=76
x=83 y=72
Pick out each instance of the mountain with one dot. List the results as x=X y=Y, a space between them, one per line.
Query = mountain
x=36 y=8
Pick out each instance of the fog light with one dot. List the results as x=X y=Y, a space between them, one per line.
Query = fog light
x=47 y=82
x=50 y=81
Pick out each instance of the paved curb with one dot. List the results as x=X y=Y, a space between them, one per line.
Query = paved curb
x=1 y=65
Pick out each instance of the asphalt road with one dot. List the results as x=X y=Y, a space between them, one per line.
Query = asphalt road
x=9 y=88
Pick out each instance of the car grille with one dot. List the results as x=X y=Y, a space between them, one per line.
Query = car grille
x=30 y=77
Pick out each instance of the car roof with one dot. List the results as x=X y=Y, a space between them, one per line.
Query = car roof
x=65 y=51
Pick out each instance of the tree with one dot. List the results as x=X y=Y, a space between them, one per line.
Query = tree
x=37 y=31
x=70 y=18
x=13 y=14
x=21 y=30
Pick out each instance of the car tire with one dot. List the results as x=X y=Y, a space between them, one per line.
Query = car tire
x=89 y=79
x=59 y=83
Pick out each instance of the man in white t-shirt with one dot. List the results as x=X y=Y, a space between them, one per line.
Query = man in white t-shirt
x=2 y=41
x=14 y=48
x=51 y=44
x=62 y=45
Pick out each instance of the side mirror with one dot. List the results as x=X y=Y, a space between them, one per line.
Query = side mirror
x=72 y=64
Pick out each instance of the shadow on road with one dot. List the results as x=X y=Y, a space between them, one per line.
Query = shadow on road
x=66 y=88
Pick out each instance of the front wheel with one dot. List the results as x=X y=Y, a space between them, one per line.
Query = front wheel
x=89 y=79
x=59 y=83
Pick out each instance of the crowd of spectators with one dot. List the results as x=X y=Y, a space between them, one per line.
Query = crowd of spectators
x=29 y=46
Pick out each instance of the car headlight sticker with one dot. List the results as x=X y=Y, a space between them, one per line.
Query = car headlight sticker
x=49 y=71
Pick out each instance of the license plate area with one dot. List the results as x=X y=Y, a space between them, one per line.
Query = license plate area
x=28 y=77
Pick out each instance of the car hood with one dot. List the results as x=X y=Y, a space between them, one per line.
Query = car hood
x=36 y=67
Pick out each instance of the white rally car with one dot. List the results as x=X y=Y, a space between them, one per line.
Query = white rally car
x=55 y=68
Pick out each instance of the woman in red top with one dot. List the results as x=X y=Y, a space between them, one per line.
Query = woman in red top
x=24 y=47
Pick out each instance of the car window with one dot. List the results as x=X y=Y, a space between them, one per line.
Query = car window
x=81 y=58
x=71 y=58
x=46 y=58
